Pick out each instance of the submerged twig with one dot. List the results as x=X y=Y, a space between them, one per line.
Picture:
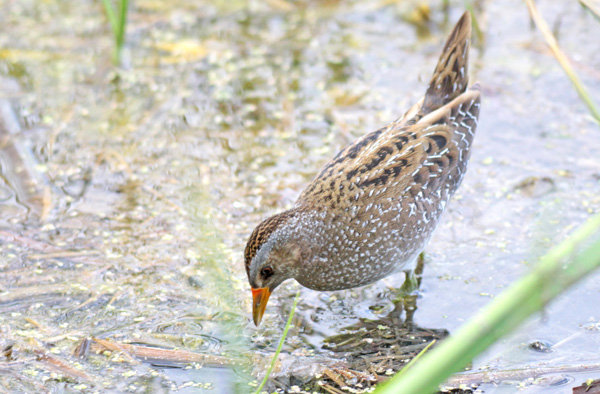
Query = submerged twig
x=152 y=353
x=62 y=254
x=61 y=366
x=516 y=374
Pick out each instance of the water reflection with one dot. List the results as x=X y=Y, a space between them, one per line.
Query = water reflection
x=23 y=183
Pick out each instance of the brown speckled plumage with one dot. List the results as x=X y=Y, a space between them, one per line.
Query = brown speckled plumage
x=372 y=209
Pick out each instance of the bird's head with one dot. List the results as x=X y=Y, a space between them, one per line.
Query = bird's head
x=271 y=257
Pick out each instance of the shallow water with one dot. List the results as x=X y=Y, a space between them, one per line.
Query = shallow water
x=127 y=194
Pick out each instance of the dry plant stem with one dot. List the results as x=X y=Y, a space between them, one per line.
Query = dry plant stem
x=332 y=390
x=560 y=268
x=562 y=59
x=21 y=377
x=116 y=347
x=334 y=377
x=62 y=254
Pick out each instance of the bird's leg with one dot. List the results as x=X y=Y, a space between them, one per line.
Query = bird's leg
x=408 y=293
x=412 y=282
x=419 y=268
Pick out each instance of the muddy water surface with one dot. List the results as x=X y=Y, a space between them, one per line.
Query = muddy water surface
x=127 y=193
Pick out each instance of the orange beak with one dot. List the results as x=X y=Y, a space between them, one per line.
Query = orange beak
x=260 y=297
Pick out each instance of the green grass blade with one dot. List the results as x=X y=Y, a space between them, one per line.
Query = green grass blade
x=112 y=17
x=281 y=342
x=476 y=27
x=592 y=6
x=118 y=24
x=564 y=265
x=120 y=36
x=562 y=59
x=416 y=358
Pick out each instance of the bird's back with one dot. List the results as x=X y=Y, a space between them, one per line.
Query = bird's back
x=424 y=152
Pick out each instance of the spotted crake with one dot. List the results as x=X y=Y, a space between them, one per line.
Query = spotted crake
x=371 y=210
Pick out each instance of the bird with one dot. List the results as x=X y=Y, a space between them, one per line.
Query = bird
x=372 y=209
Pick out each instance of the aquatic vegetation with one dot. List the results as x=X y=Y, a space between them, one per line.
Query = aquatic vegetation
x=118 y=24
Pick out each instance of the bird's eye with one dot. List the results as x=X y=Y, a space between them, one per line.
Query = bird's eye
x=266 y=272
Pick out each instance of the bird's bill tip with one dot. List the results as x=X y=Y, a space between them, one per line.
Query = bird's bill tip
x=260 y=297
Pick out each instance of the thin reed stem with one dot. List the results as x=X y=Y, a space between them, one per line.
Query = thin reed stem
x=280 y=346
x=562 y=59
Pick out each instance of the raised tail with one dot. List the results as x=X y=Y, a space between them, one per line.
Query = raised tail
x=451 y=77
